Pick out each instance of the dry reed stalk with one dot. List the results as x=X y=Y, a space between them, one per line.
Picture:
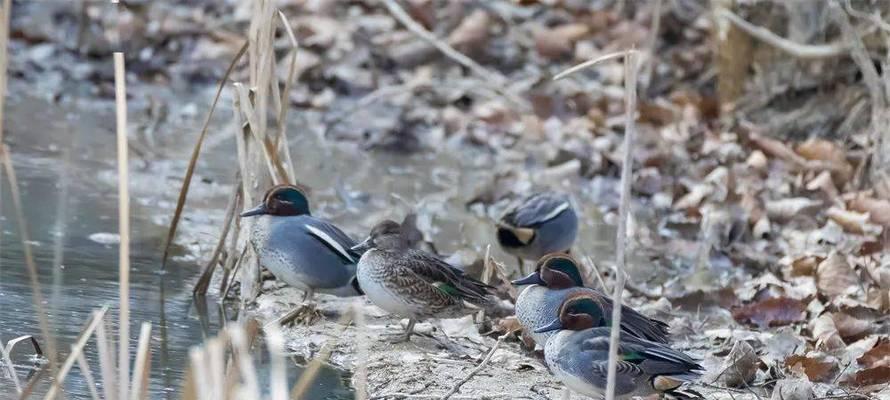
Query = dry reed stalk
x=10 y=367
x=314 y=366
x=87 y=376
x=142 y=366
x=105 y=348
x=244 y=361
x=631 y=70
x=278 y=373
x=123 y=215
x=797 y=50
x=203 y=283
x=652 y=43
x=4 y=58
x=201 y=383
x=29 y=257
x=32 y=383
x=193 y=160
x=630 y=109
x=281 y=134
x=360 y=381
x=487 y=270
x=76 y=349
x=594 y=270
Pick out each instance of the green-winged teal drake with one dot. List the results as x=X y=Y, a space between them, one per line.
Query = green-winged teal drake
x=578 y=355
x=305 y=252
x=413 y=283
x=558 y=277
x=539 y=224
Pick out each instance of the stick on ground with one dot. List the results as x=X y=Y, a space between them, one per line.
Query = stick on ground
x=476 y=370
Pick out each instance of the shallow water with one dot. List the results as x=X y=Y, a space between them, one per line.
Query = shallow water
x=65 y=167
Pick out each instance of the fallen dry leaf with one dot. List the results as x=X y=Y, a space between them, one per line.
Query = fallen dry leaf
x=829 y=153
x=776 y=148
x=850 y=327
x=757 y=160
x=774 y=311
x=805 y=266
x=793 y=389
x=853 y=221
x=741 y=364
x=870 y=376
x=824 y=183
x=422 y=11
x=879 y=355
x=817 y=366
x=878 y=210
x=785 y=209
x=559 y=41
x=825 y=333
x=472 y=33
x=835 y=277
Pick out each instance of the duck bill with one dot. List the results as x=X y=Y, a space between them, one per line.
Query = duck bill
x=258 y=210
x=362 y=247
x=532 y=279
x=555 y=325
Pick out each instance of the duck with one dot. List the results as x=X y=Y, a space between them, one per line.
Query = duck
x=558 y=277
x=578 y=355
x=538 y=224
x=413 y=283
x=303 y=251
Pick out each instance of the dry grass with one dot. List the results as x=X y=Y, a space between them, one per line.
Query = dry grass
x=123 y=215
x=223 y=367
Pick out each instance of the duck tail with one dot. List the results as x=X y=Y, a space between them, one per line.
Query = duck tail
x=683 y=394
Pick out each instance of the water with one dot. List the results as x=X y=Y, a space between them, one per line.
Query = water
x=65 y=167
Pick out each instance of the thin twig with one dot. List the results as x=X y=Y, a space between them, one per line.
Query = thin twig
x=630 y=109
x=123 y=215
x=591 y=62
x=799 y=50
x=492 y=79
x=476 y=370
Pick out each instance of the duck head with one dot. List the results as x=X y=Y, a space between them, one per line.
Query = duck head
x=575 y=314
x=555 y=271
x=281 y=200
x=386 y=235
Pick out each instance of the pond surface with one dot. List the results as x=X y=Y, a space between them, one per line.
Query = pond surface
x=65 y=166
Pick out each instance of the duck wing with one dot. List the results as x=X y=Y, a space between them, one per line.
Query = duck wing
x=535 y=210
x=446 y=278
x=634 y=323
x=332 y=237
x=649 y=357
